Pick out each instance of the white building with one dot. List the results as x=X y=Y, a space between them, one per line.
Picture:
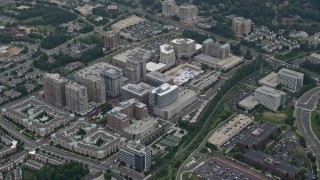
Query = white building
x=184 y=47
x=314 y=58
x=165 y=95
x=270 y=98
x=169 y=8
x=167 y=55
x=188 y=12
x=290 y=80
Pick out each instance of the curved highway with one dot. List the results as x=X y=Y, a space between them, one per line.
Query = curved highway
x=303 y=108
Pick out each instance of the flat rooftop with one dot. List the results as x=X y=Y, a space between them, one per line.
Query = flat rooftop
x=230 y=129
x=291 y=73
x=258 y=135
x=270 y=91
x=133 y=53
x=159 y=76
x=151 y=66
x=249 y=102
x=136 y=89
x=275 y=164
x=183 y=73
x=270 y=80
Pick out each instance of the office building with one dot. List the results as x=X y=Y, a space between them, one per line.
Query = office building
x=136 y=155
x=119 y=116
x=188 y=12
x=113 y=81
x=169 y=8
x=241 y=26
x=156 y=78
x=257 y=136
x=214 y=49
x=270 y=80
x=91 y=78
x=290 y=80
x=184 y=47
x=77 y=98
x=139 y=129
x=186 y=97
x=141 y=92
x=167 y=55
x=270 y=98
x=54 y=89
x=268 y=163
x=218 y=64
x=136 y=53
x=136 y=69
x=111 y=39
x=165 y=95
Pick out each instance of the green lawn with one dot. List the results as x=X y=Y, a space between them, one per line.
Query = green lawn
x=32 y=19
x=189 y=176
x=272 y=117
x=314 y=126
x=47 y=28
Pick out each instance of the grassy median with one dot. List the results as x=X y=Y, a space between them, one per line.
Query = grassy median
x=315 y=123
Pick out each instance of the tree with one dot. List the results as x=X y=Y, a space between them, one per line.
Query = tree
x=248 y=55
x=204 y=66
x=105 y=108
x=22 y=89
x=175 y=18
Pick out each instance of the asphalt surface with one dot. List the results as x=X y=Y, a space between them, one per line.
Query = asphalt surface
x=304 y=106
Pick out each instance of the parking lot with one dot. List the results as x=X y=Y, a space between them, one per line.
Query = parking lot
x=239 y=96
x=287 y=149
x=218 y=168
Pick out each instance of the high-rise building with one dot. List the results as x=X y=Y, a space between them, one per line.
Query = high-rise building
x=241 y=26
x=77 y=98
x=169 y=8
x=270 y=98
x=188 y=12
x=291 y=80
x=136 y=68
x=167 y=55
x=111 y=39
x=184 y=47
x=113 y=81
x=211 y=48
x=54 y=89
x=136 y=155
x=90 y=77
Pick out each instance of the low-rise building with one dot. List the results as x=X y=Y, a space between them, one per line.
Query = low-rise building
x=268 y=163
x=257 y=136
x=37 y=116
x=87 y=143
x=270 y=80
x=291 y=80
x=230 y=129
x=204 y=81
x=270 y=98
x=218 y=64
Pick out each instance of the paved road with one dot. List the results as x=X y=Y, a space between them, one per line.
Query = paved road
x=304 y=106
